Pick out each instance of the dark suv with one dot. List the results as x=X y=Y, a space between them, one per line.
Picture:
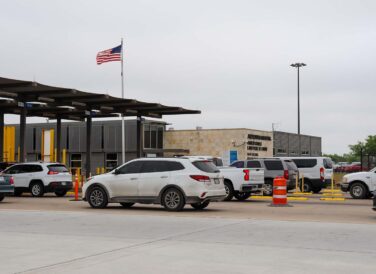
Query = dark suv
x=273 y=168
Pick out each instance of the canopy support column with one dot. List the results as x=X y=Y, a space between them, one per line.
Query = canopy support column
x=58 y=140
x=139 y=136
x=88 y=146
x=22 y=155
x=1 y=136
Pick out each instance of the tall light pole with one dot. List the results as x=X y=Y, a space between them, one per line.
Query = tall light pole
x=298 y=66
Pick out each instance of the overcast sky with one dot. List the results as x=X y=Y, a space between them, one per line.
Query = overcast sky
x=230 y=59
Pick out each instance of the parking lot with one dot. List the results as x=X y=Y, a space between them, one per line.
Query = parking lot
x=227 y=237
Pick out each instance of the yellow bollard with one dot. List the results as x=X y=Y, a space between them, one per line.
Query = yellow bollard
x=97 y=170
x=18 y=154
x=64 y=156
x=103 y=170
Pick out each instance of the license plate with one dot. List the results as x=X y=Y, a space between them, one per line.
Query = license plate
x=216 y=181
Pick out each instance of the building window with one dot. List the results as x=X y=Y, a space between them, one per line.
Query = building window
x=281 y=151
x=111 y=161
x=153 y=136
x=75 y=162
x=305 y=152
x=160 y=137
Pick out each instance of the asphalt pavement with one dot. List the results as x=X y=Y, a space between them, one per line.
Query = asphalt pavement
x=47 y=241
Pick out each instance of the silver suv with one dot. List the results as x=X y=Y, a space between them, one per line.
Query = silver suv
x=273 y=167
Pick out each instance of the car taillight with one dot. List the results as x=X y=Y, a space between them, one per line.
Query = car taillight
x=11 y=180
x=246 y=174
x=286 y=174
x=200 y=178
x=322 y=174
x=52 y=172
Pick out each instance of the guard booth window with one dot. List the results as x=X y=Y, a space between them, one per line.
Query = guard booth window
x=75 y=162
x=153 y=136
x=111 y=161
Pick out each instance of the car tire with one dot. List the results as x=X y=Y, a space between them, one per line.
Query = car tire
x=97 y=197
x=316 y=190
x=37 y=189
x=60 y=193
x=2 y=196
x=229 y=190
x=17 y=193
x=268 y=188
x=307 y=186
x=173 y=200
x=200 y=206
x=127 y=205
x=358 y=191
x=241 y=196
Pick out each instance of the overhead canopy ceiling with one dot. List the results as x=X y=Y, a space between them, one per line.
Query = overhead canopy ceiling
x=71 y=104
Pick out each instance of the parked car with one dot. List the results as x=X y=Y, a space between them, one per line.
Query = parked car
x=6 y=186
x=361 y=185
x=239 y=183
x=317 y=172
x=171 y=182
x=39 y=178
x=273 y=167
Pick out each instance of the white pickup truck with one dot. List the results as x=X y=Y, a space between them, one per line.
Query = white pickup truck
x=239 y=182
x=361 y=185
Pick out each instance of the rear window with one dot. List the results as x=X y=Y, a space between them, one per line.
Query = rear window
x=273 y=165
x=328 y=163
x=238 y=164
x=305 y=163
x=206 y=166
x=290 y=165
x=253 y=164
x=57 y=168
x=218 y=161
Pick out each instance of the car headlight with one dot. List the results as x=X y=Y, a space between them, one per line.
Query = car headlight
x=344 y=180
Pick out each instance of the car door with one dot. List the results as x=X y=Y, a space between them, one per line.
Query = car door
x=20 y=175
x=373 y=180
x=123 y=182
x=154 y=176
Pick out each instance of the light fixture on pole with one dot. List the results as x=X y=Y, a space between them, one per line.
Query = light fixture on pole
x=298 y=66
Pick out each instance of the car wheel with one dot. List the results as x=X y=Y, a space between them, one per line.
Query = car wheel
x=358 y=191
x=229 y=191
x=97 y=198
x=2 y=196
x=241 y=196
x=60 y=193
x=127 y=205
x=173 y=200
x=307 y=186
x=17 y=193
x=36 y=189
x=199 y=206
x=268 y=188
x=316 y=190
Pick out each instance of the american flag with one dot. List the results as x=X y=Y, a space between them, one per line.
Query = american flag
x=109 y=55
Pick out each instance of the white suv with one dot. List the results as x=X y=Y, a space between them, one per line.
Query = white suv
x=171 y=182
x=39 y=178
x=317 y=172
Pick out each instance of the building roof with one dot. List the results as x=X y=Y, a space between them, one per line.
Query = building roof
x=71 y=104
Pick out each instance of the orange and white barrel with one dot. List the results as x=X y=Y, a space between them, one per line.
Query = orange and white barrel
x=279 y=191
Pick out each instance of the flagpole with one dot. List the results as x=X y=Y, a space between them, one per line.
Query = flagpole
x=122 y=116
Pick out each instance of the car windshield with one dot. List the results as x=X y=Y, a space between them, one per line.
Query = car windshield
x=206 y=166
